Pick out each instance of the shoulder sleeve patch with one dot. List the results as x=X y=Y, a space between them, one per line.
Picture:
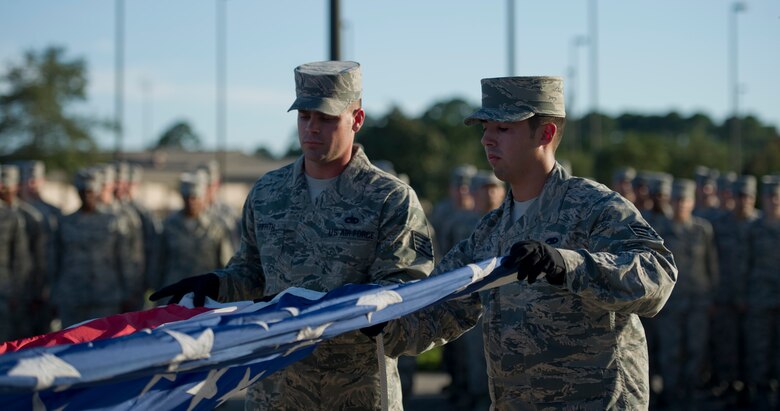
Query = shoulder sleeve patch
x=644 y=231
x=422 y=244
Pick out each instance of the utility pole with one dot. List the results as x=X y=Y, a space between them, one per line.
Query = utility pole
x=595 y=120
x=119 y=77
x=510 y=31
x=335 y=30
x=221 y=35
x=736 y=129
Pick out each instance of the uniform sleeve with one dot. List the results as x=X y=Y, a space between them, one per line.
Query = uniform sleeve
x=123 y=261
x=22 y=261
x=438 y=324
x=243 y=277
x=626 y=267
x=404 y=250
x=711 y=257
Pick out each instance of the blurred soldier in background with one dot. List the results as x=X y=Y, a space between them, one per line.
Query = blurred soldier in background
x=622 y=183
x=725 y=194
x=660 y=190
x=92 y=280
x=114 y=178
x=150 y=226
x=15 y=265
x=471 y=392
x=684 y=322
x=732 y=239
x=447 y=210
x=33 y=177
x=762 y=322
x=192 y=241
x=34 y=295
x=329 y=219
x=218 y=209
x=641 y=185
x=707 y=203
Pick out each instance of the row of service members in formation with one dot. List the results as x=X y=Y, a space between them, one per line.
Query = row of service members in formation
x=719 y=332
x=102 y=258
x=720 y=328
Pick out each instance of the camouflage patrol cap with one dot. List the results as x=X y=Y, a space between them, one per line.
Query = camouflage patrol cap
x=9 y=174
x=726 y=181
x=705 y=176
x=683 y=188
x=770 y=185
x=31 y=170
x=744 y=185
x=462 y=175
x=511 y=99
x=136 y=173
x=211 y=170
x=88 y=179
x=661 y=184
x=484 y=178
x=192 y=185
x=327 y=86
x=624 y=173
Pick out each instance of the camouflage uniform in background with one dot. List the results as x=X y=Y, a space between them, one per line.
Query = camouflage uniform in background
x=150 y=227
x=132 y=242
x=192 y=246
x=367 y=228
x=579 y=345
x=15 y=266
x=446 y=212
x=684 y=321
x=33 y=172
x=34 y=225
x=762 y=322
x=92 y=280
x=732 y=241
x=218 y=209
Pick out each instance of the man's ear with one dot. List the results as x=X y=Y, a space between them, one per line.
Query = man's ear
x=548 y=133
x=359 y=116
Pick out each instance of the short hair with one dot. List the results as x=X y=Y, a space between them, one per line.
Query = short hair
x=560 y=123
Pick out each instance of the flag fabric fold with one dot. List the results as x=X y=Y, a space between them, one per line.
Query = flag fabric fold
x=200 y=359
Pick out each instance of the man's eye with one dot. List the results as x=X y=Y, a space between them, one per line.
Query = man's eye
x=503 y=129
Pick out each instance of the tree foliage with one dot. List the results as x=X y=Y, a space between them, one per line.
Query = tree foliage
x=179 y=135
x=36 y=118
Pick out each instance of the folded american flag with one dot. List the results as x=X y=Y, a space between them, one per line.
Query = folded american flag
x=195 y=359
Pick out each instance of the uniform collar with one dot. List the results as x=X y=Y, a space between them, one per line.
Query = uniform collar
x=347 y=184
x=548 y=204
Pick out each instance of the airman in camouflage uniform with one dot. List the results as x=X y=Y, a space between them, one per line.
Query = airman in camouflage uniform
x=622 y=180
x=92 y=278
x=707 y=203
x=328 y=219
x=574 y=340
x=192 y=242
x=218 y=209
x=15 y=264
x=732 y=239
x=762 y=322
x=33 y=174
x=446 y=211
x=34 y=225
x=150 y=226
x=684 y=322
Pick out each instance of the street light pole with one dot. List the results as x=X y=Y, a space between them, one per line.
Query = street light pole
x=572 y=92
x=119 y=77
x=736 y=132
x=335 y=30
x=510 y=31
x=221 y=35
x=595 y=121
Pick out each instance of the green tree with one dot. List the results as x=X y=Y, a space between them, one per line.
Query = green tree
x=36 y=121
x=180 y=136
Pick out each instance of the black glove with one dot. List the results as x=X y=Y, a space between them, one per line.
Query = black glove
x=206 y=285
x=373 y=330
x=531 y=258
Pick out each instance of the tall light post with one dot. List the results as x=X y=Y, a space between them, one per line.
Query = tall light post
x=221 y=124
x=572 y=92
x=119 y=76
x=510 y=33
x=595 y=121
x=335 y=30
x=736 y=132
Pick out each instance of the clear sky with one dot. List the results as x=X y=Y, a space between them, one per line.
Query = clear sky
x=653 y=56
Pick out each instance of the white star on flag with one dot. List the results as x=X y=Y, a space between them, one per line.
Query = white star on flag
x=245 y=382
x=206 y=388
x=191 y=348
x=380 y=300
x=45 y=368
